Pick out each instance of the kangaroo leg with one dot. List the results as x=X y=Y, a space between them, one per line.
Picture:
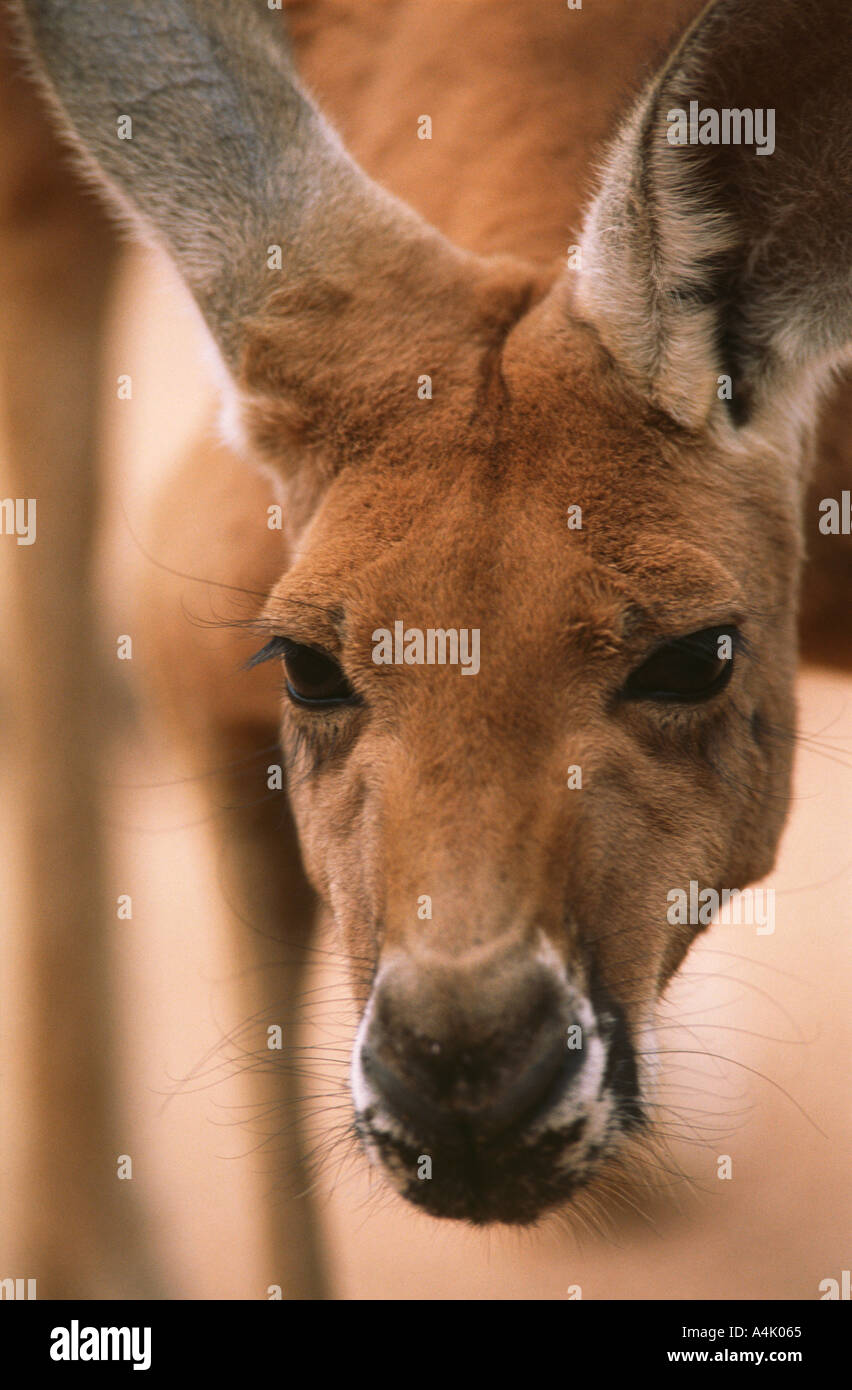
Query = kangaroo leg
x=71 y=1224
x=224 y=724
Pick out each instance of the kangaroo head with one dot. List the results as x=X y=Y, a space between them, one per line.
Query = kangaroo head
x=511 y=733
x=538 y=628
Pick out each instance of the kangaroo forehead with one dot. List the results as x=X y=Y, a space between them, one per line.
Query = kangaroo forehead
x=539 y=581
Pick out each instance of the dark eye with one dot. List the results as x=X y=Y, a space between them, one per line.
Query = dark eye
x=314 y=677
x=688 y=670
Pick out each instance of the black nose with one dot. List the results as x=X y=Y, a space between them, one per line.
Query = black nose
x=460 y=1056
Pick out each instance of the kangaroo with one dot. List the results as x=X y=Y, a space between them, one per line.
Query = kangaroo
x=590 y=451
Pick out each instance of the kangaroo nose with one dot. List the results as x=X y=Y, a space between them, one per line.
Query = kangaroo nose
x=474 y=1052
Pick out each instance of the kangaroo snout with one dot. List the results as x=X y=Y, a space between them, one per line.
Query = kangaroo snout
x=487 y=1089
x=456 y=1052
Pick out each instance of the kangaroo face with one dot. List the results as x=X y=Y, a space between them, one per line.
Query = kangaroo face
x=497 y=844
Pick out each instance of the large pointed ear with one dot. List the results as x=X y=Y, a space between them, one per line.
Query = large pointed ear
x=189 y=114
x=720 y=244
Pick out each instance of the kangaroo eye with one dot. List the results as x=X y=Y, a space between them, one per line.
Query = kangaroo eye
x=688 y=670
x=314 y=677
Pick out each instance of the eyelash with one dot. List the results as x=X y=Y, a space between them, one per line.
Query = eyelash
x=276 y=647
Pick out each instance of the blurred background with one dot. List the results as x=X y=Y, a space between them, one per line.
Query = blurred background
x=754 y=1040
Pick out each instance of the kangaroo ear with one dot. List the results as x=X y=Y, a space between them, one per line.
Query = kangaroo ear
x=190 y=115
x=720 y=244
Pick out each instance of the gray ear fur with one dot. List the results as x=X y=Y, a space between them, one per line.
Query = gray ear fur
x=226 y=156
